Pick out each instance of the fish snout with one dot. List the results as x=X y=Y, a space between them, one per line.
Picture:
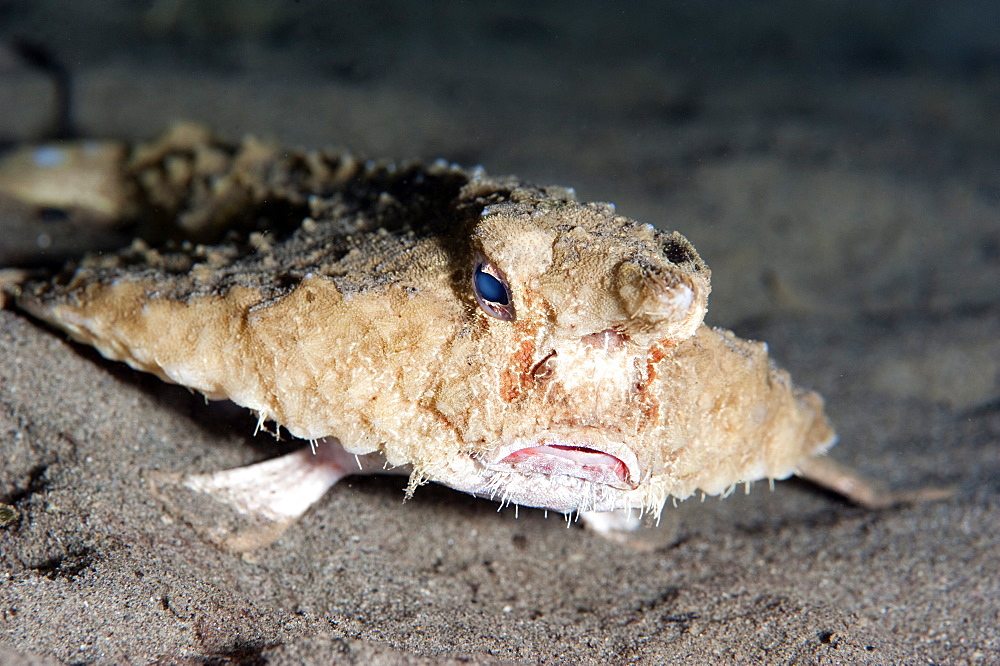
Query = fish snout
x=660 y=304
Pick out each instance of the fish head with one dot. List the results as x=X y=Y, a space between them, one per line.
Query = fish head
x=572 y=309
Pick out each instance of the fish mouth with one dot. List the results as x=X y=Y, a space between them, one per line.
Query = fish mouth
x=602 y=463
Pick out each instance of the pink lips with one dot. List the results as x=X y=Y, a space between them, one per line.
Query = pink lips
x=577 y=461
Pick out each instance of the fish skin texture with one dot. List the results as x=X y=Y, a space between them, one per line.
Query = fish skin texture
x=337 y=299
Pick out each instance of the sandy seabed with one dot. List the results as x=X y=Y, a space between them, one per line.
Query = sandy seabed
x=850 y=214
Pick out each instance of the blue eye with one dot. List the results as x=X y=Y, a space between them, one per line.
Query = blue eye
x=490 y=288
x=491 y=291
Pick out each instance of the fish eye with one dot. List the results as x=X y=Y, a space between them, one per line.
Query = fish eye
x=492 y=291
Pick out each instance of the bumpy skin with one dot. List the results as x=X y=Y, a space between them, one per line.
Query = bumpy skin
x=350 y=312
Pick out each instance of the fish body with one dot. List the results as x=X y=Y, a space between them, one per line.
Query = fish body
x=499 y=338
